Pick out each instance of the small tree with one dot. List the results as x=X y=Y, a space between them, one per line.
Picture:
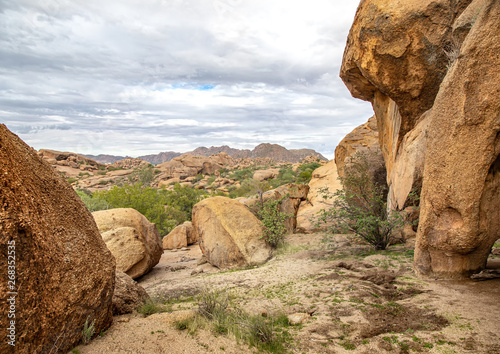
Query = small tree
x=360 y=206
x=273 y=221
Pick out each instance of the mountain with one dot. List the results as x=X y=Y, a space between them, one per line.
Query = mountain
x=155 y=159
x=103 y=158
x=274 y=151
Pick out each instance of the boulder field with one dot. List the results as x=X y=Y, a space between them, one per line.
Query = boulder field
x=62 y=274
x=431 y=70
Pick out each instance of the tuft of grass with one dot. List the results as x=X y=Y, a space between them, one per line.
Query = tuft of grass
x=152 y=306
x=217 y=313
x=88 y=331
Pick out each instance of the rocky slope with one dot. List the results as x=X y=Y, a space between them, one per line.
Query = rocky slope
x=431 y=71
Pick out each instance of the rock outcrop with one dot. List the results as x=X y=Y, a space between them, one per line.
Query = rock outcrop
x=131 y=238
x=64 y=274
x=186 y=166
x=229 y=234
x=363 y=139
x=460 y=207
x=182 y=236
x=128 y=295
x=323 y=177
x=431 y=71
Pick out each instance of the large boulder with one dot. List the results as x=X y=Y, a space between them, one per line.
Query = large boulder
x=323 y=177
x=128 y=295
x=133 y=240
x=363 y=139
x=64 y=274
x=460 y=201
x=262 y=175
x=229 y=234
x=430 y=69
x=395 y=58
x=181 y=236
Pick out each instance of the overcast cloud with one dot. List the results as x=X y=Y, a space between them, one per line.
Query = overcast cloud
x=135 y=77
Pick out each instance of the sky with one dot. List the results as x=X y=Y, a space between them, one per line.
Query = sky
x=135 y=77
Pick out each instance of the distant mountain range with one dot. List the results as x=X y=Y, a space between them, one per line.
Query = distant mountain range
x=274 y=151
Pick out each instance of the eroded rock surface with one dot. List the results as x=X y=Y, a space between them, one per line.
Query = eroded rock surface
x=181 y=236
x=323 y=177
x=64 y=272
x=431 y=71
x=460 y=217
x=229 y=234
x=134 y=241
x=128 y=295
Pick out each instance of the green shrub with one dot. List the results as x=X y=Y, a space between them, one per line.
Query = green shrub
x=166 y=209
x=273 y=221
x=152 y=306
x=360 y=206
x=92 y=203
x=217 y=313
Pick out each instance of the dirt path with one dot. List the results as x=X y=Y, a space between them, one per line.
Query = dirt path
x=353 y=300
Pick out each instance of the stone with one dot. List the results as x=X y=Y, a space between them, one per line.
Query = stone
x=395 y=59
x=131 y=238
x=262 y=175
x=128 y=295
x=363 y=139
x=323 y=177
x=181 y=236
x=298 y=318
x=460 y=204
x=64 y=273
x=229 y=234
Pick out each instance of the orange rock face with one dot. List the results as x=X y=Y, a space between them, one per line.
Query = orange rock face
x=229 y=234
x=431 y=71
x=64 y=274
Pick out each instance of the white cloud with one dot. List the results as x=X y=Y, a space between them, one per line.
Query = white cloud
x=129 y=77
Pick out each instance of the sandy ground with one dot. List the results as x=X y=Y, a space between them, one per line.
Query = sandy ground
x=353 y=300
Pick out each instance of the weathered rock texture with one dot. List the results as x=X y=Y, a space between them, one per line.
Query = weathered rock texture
x=229 y=234
x=128 y=295
x=181 y=236
x=64 y=272
x=133 y=240
x=431 y=70
x=323 y=177
x=460 y=217
x=363 y=139
x=292 y=195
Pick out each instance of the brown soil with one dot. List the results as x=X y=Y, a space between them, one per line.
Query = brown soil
x=359 y=301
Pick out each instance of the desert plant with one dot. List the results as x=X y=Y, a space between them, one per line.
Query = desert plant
x=360 y=206
x=273 y=221
x=88 y=331
x=153 y=305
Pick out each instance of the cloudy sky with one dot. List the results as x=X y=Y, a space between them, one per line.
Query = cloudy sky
x=135 y=77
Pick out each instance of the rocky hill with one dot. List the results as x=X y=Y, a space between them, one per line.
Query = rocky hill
x=274 y=152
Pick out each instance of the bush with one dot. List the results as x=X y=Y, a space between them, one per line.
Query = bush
x=273 y=221
x=92 y=203
x=216 y=312
x=360 y=206
x=166 y=209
